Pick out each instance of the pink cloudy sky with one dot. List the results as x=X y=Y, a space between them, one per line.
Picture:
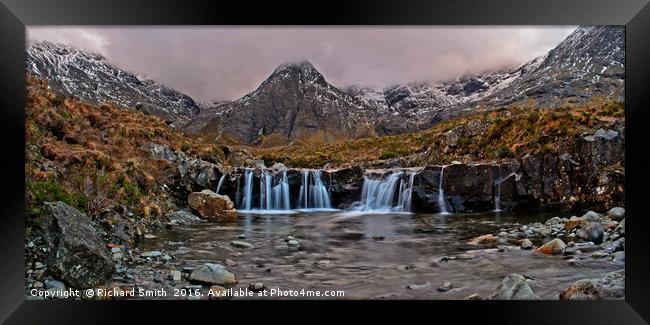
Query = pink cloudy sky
x=210 y=63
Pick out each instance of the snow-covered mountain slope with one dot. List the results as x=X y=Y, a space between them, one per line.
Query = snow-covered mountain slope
x=294 y=102
x=589 y=62
x=90 y=77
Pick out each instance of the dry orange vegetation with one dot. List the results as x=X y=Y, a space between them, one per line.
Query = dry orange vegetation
x=94 y=158
x=510 y=132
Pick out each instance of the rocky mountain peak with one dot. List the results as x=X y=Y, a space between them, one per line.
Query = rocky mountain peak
x=302 y=72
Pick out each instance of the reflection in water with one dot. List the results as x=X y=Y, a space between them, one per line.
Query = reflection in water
x=373 y=255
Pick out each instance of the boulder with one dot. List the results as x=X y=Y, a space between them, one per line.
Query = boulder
x=77 y=255
x=212 y=273
x=574 y=222
x=616 y=213
x=592 y=231
x=483 y=240
x=610 y=286
x=212 y=206
x=514 y=287
x=555 y=246
x=591 y=216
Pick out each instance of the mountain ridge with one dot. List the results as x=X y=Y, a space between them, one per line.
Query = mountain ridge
x=89 y=76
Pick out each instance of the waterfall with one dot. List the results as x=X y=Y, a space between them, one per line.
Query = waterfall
x=497 y=189
x=405 y=194
x=441 y=194
x=497 y=195
x=266 y=181
x=313 y=192
x=379 y=194
x=248 y=189
x=271 y=197
x=220 y=183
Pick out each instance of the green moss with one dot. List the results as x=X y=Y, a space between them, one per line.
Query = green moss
x=50 y=191
x=387 y=155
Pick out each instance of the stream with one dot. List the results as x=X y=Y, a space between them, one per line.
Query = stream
x=368 y=256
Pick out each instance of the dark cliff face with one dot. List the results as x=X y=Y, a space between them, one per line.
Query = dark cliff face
x=294 y=102
x=587 y=175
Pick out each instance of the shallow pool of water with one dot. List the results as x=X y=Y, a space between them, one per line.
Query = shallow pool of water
x=374 y=255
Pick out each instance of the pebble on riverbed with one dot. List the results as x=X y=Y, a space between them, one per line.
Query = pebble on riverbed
x=241 y=244
x=257 y=287
x=445 y=287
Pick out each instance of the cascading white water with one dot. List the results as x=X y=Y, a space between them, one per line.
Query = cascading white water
x=441 y=195
x=313 y=192
x=248 y=190
x=271 y=197
x=497 y=189
x=220 y=183
x=379 y=194
x=497 y=195
x=281 y=199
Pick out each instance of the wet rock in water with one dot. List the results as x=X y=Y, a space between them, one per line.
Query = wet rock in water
x=526 y=244
x=514 y=287
x=616 y=213
x=599 y=254
x=378 y=237
x=152 y=254
x=78 y=256
x=445 y=287
x=555 y=246
x=483 y=240
x=212 y=206
x=212 y=273
x=618 y=257
x=574 y=222
x=256 y=287
x=465 y=256
x=218 y=293
x=592 y=231
x=610 y=286
x=150 y=236
x=293 y=243
x=175 y=275
x=591 y=216
x=475 y=296
x=418 y=286
x=241 y=244
x=546 y=231
x=242 y=236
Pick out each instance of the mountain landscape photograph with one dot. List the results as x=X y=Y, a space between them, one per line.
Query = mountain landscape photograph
x=429 y=163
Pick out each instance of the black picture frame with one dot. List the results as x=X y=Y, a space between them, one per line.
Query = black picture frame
x=634 y=14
